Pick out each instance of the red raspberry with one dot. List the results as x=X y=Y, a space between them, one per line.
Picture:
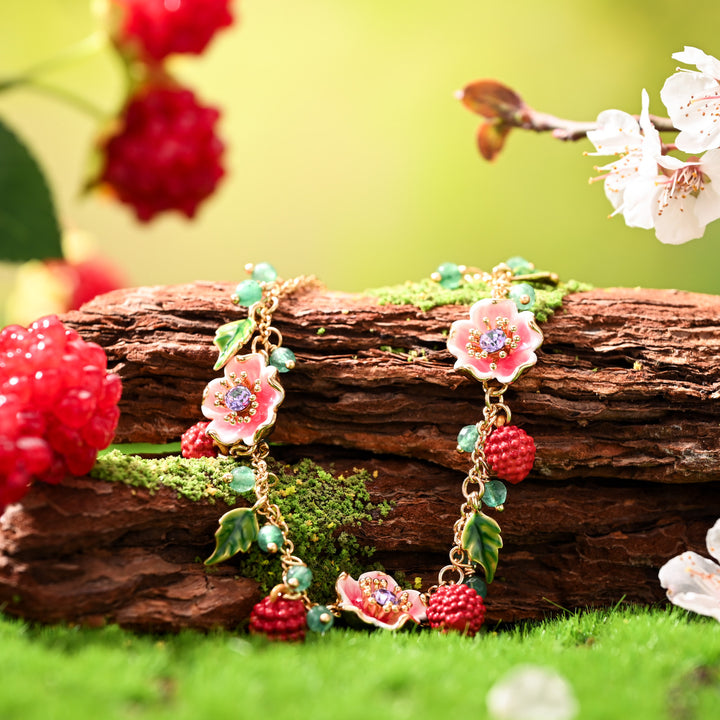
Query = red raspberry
x=58 y=405
x=279 y=619
x=154 y=29
x=510 y=452
x=82 y=281
x=166 y=155
x=456 y=607
x=194 y=443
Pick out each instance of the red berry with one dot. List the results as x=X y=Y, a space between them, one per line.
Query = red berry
x=51 y=422
x=154 y=29
x=456 y=607
x=194 y=443
x=166 y=155
x=279 y=619
x=510 y=453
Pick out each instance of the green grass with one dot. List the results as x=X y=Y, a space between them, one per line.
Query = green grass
x=628 y=664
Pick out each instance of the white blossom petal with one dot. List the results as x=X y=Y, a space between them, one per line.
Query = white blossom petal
x=693 y=103
x=617 y=132
x=712 y=540
x=702 y=61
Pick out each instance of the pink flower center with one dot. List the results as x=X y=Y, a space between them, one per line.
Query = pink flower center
x=494 y=343
x=687 y=180
x=239 y=397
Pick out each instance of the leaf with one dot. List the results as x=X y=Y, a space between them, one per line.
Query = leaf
x=238 y=529
x=491 y=138
x=481 y=541
x=230 y=337
x=491 y=99
x=28 y=224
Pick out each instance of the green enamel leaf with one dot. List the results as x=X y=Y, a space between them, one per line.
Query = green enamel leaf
x=481 y=541
x=238 y=528
x=28 y=225
x=230 y=337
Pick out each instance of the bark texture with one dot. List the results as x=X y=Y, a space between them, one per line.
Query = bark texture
x=623 y=406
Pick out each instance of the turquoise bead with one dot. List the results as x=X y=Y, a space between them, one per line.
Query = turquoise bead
x=522 y=295
x=477 y=584
x=298 y=577
x=247 y=293
x=495 y=493
x=467 y=438
x=264 y=272
x=243 y=479
x=319 y=619
x=450 y=276
x=520 y=266
x=270 y=538
x=283 y=359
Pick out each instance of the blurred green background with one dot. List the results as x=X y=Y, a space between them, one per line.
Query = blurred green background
x=348 y=156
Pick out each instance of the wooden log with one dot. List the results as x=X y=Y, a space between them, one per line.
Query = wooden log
x=622 y=405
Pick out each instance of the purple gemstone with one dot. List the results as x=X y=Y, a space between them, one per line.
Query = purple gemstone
x=493 y=340
x=238 y=399
x=383 y=596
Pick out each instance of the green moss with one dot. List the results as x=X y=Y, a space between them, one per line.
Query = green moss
x=320 y=509
x=427 y=294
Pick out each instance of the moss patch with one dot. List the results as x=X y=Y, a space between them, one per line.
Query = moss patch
x=320 y=509
x=427 y=294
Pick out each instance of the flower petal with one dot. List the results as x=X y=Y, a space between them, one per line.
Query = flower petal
x=713 y=540
x=692 y=582
x=616 y=132
x=702 y=61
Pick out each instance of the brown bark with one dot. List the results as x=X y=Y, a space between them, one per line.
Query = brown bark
x=622 y=405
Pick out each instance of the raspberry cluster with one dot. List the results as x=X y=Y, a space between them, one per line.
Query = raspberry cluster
x=58 y=405
x=194 y=443
x=154 y=29
x=456 y=607
x=510 y=452
x=165 y=155
x=279 y=619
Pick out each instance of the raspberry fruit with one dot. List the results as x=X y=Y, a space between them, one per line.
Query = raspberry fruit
x=510 y=452
x=194 y=443
x=456 y=607
x=154 y=29
x=279 y=619
x=166 y=155
x=58 y=405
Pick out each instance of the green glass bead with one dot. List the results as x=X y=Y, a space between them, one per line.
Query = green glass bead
x=520 y=266
x=495 y=493
x=264 y=272
x=270 y=538
x=477 y=584
x=319 y=619
x=450 y=276
x=298 y=577
x=467 y=437
x=243 y=479
x=247 y=293
x=522 y=295
x=283 y=359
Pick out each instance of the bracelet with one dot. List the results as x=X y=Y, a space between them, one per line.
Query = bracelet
x=494 y=346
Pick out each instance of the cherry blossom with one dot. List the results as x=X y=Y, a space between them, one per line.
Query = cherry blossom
x=693 y=581
x=376 y=599
x=692 y=99
x=638 y=145
x=496 y=342
x=682 y=199
x=242 y=405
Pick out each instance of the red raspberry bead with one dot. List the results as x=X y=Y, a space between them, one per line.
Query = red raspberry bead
x=279 y=619
x=456 y=607
x=154 y=29
x=510 y=452
x=166 y=155
x=58 y=406
x=194 y=443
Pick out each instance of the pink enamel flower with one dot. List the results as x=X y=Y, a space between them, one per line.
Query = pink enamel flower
x=376 y=599
x=242 y=405
x=497 y=342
